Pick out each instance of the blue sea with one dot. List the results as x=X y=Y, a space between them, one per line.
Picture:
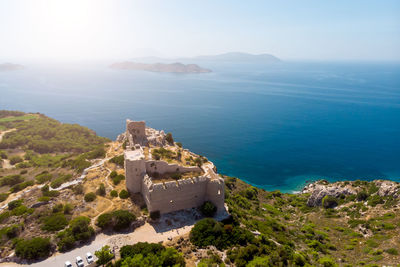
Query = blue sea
x=275 y=126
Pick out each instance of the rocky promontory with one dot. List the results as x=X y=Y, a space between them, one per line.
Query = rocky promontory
x=363 y=190
x=160 y=67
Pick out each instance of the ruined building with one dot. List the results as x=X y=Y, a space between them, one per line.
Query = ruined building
x=167 y=187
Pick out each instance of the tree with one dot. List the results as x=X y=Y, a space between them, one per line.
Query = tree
x=169 y=138
x=89 y=197
x=33 y=249
x=104 y=255
x=329 y=202
x=101 y=191
x=113 y=193
x=124 y=194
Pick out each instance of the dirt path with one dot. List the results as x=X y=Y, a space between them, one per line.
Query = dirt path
x=6 y=162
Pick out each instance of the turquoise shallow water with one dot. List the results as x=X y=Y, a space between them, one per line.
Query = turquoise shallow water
x=275 y=126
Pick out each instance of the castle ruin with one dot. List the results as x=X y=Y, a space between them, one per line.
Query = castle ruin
x=167 y=186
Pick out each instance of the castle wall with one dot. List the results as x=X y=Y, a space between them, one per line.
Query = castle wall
x=163 y=167
x=137 y=129
x=216 y=192
x=134 y=172
x=173 y=196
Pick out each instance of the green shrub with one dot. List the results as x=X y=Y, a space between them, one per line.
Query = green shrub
x=89 y=197
x=58 y=207
x=78 y=189
x=80 y=228
x=43 y=177
x=101 y=191
x=113 y=193
x=3 y=154
x=327 y=262
x=68 y=208
x=208 y=209
x=375 y=200
x=124 y=194
x=169 y=138
x=118 y=220
x=117 y=179
x=33 y=249
x=208 y=232
x=113 y=174
x=21 y=186
x=392 y=251
x=54 y=222
x=119 y=160
x=105 y=220
x=15 y=204
x=362 y=196
x=13 y=231
x=15 y=159
x=329 y=202
x=179 y=144
x=11 y=180
x=3 y=196
x=150 y=254
x=60 y=180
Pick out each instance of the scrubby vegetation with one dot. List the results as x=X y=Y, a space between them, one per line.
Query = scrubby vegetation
x=276 y=229
x=79 y=230
x=33 y=249
x=117 y=220
x=152 y=255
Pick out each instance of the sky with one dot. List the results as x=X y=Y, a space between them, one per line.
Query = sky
x=60 y=30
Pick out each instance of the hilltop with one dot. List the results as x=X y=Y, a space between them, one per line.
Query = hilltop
x=63 y=189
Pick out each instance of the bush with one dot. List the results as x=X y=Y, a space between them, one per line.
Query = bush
x=13 y=230
x=327 y=262
x=80 y=228
x=78 y=189
x=329 y=202
x=60 y=180
x=208 y=209
x=43 y=177
x=150 y=254
x=21 y=186
x=104 y=220
x=68 y=208
x=113 y=174
x=103 y=255
x=362 y=196
x=58 y=207
x=89 y=197
x=124 y=194
x=179 y=144
x=101 y=191
x=15 y=159
x=375 y=200
x=392 y=251
x=11 y=180
x=208 y=232
x=117 y=179
x=32 y=249
x=113 y=193
x=3 y=196
x=119 y=160
x=169 y=138
x=118 y=220
x=54 y=222
x=15 y=204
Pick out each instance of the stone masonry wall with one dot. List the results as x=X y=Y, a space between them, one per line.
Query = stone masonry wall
x=163 y=167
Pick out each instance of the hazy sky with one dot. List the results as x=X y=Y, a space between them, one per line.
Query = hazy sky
x=117 y=29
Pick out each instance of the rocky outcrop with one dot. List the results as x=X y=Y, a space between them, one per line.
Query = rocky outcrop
x=319 y=190
x=388 y=188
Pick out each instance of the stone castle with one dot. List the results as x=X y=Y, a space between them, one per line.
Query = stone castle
x=190 y=186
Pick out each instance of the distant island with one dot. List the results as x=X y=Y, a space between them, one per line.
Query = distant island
x=10 y=66
x=160 y=67
x=231 y=57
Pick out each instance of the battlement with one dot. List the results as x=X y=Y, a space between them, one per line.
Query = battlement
x=170 y=195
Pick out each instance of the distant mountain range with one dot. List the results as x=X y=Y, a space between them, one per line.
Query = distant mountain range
x=159 y=67
x=10 y=66
x=232 y=57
